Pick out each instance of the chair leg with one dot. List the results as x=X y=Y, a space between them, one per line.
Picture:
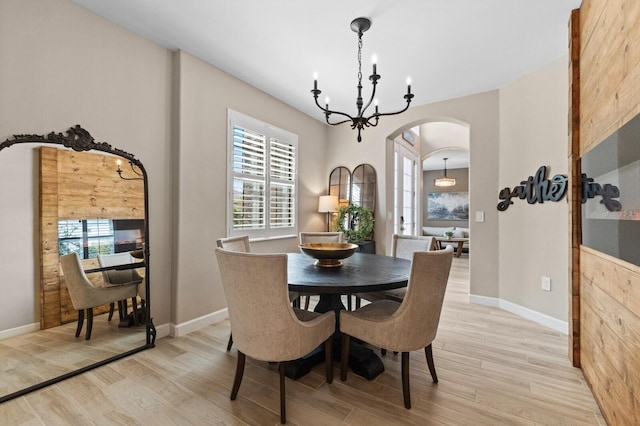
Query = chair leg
x=112 y=308
x=328 y=358
x=358 y=302
x=134 y=306
x=230 y=343
x=344 y=359
x=349 y=307
x=405 y=380
x=238 y=379
x=283 y=408
x=428 y=351
x=306 y=302
x=89 y=323
x=80 y=321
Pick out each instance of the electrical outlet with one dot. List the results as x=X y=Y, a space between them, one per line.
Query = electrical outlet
x=479 y=216
x=545 y=283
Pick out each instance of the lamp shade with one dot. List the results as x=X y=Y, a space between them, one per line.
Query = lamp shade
x=328 y=204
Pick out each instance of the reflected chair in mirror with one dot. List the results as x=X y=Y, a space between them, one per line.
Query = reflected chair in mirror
x=265 y=326
x=402 y=246
x=319 y=237
x=243 y=245
x=116 y=277
x=403 y=326
x=85 y=295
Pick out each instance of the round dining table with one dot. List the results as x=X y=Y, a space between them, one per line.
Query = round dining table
x=360 y=273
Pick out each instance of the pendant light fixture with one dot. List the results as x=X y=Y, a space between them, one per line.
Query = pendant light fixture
x=445 y=181
x=360 y=120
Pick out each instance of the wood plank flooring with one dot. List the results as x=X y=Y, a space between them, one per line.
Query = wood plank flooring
x=494 y=368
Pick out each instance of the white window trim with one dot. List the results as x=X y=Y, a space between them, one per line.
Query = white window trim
x=271 y=132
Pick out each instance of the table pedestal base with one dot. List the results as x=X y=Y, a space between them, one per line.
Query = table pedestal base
x=362 y=360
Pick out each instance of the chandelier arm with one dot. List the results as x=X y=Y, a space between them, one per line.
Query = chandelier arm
x=328 y=112
x=341 y=122
x=382 y=114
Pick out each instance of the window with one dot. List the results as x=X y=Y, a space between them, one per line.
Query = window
x=262 y=179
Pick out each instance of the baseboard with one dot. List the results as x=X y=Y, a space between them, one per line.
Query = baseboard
x=530 y=314
x=177 y=330
x=23 y=329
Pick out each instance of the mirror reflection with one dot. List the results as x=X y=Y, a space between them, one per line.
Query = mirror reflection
x=64 y=201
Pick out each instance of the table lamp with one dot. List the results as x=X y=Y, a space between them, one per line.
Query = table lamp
x=328 y=204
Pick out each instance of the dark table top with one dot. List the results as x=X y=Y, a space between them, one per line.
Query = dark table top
x=361 y=272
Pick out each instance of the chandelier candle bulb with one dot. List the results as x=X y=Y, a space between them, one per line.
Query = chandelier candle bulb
x=374 y=59
x=315 y=81
x=409 y=85
x=119 y=162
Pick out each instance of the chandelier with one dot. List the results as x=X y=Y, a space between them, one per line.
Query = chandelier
x=360 y=121
x=445 y=181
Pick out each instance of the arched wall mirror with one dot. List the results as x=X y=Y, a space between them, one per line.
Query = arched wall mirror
x=357 y=188
x=363 y=186
x=54 y=185
x=340 y=185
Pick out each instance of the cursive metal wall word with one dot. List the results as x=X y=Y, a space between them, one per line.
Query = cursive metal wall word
x=590 y=189
x=536 y=189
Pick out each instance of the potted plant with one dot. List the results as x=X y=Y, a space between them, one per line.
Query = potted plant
x=448 y=234
x=356 y=222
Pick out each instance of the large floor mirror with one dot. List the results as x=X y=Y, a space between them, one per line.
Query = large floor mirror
x=67 y=193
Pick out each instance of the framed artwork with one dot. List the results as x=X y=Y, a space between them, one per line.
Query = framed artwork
x=409 y=136
x=448 y=206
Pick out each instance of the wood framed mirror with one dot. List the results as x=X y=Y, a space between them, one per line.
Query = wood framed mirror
x=41 y=186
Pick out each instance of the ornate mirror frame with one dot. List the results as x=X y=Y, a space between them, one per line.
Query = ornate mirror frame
x=81 y=140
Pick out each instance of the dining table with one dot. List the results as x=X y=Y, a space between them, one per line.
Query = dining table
x=360 y=273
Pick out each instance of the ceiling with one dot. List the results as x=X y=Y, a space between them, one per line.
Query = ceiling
x=449 y=48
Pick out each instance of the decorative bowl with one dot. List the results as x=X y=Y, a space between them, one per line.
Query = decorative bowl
x=328 y=255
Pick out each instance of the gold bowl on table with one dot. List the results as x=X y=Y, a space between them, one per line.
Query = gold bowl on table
x=328 y=255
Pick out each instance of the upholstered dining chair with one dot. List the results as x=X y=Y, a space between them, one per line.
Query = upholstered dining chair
x=84 y=295
x=115 y=277
x=319 y=237
x=403 y=326
x=402 y=246
x=243 y=245
x=264 y=324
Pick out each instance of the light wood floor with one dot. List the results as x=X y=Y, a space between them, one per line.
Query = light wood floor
x=494 y=369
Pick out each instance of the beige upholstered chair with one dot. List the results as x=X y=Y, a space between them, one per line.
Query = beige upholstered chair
x=243 y=245
x=402 y=246
x=406 y=326
x=84 y=295
x=264 y=324
x=319 y=237
x=115 y=277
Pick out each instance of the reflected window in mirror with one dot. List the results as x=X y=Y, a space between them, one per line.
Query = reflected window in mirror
x=90 y=237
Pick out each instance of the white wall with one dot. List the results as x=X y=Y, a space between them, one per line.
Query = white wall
x=205 y=93
x=61 y=66
x=534 y=237
x=481 y=113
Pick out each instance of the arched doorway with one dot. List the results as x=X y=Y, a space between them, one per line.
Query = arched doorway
x=427 y=142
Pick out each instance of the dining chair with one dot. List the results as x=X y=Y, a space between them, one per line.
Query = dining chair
x=264 y=324
x=243 y=245
x=403 y=326
x=319 y=237
x=402 y=246
x=85 y=296
x=115 y=277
